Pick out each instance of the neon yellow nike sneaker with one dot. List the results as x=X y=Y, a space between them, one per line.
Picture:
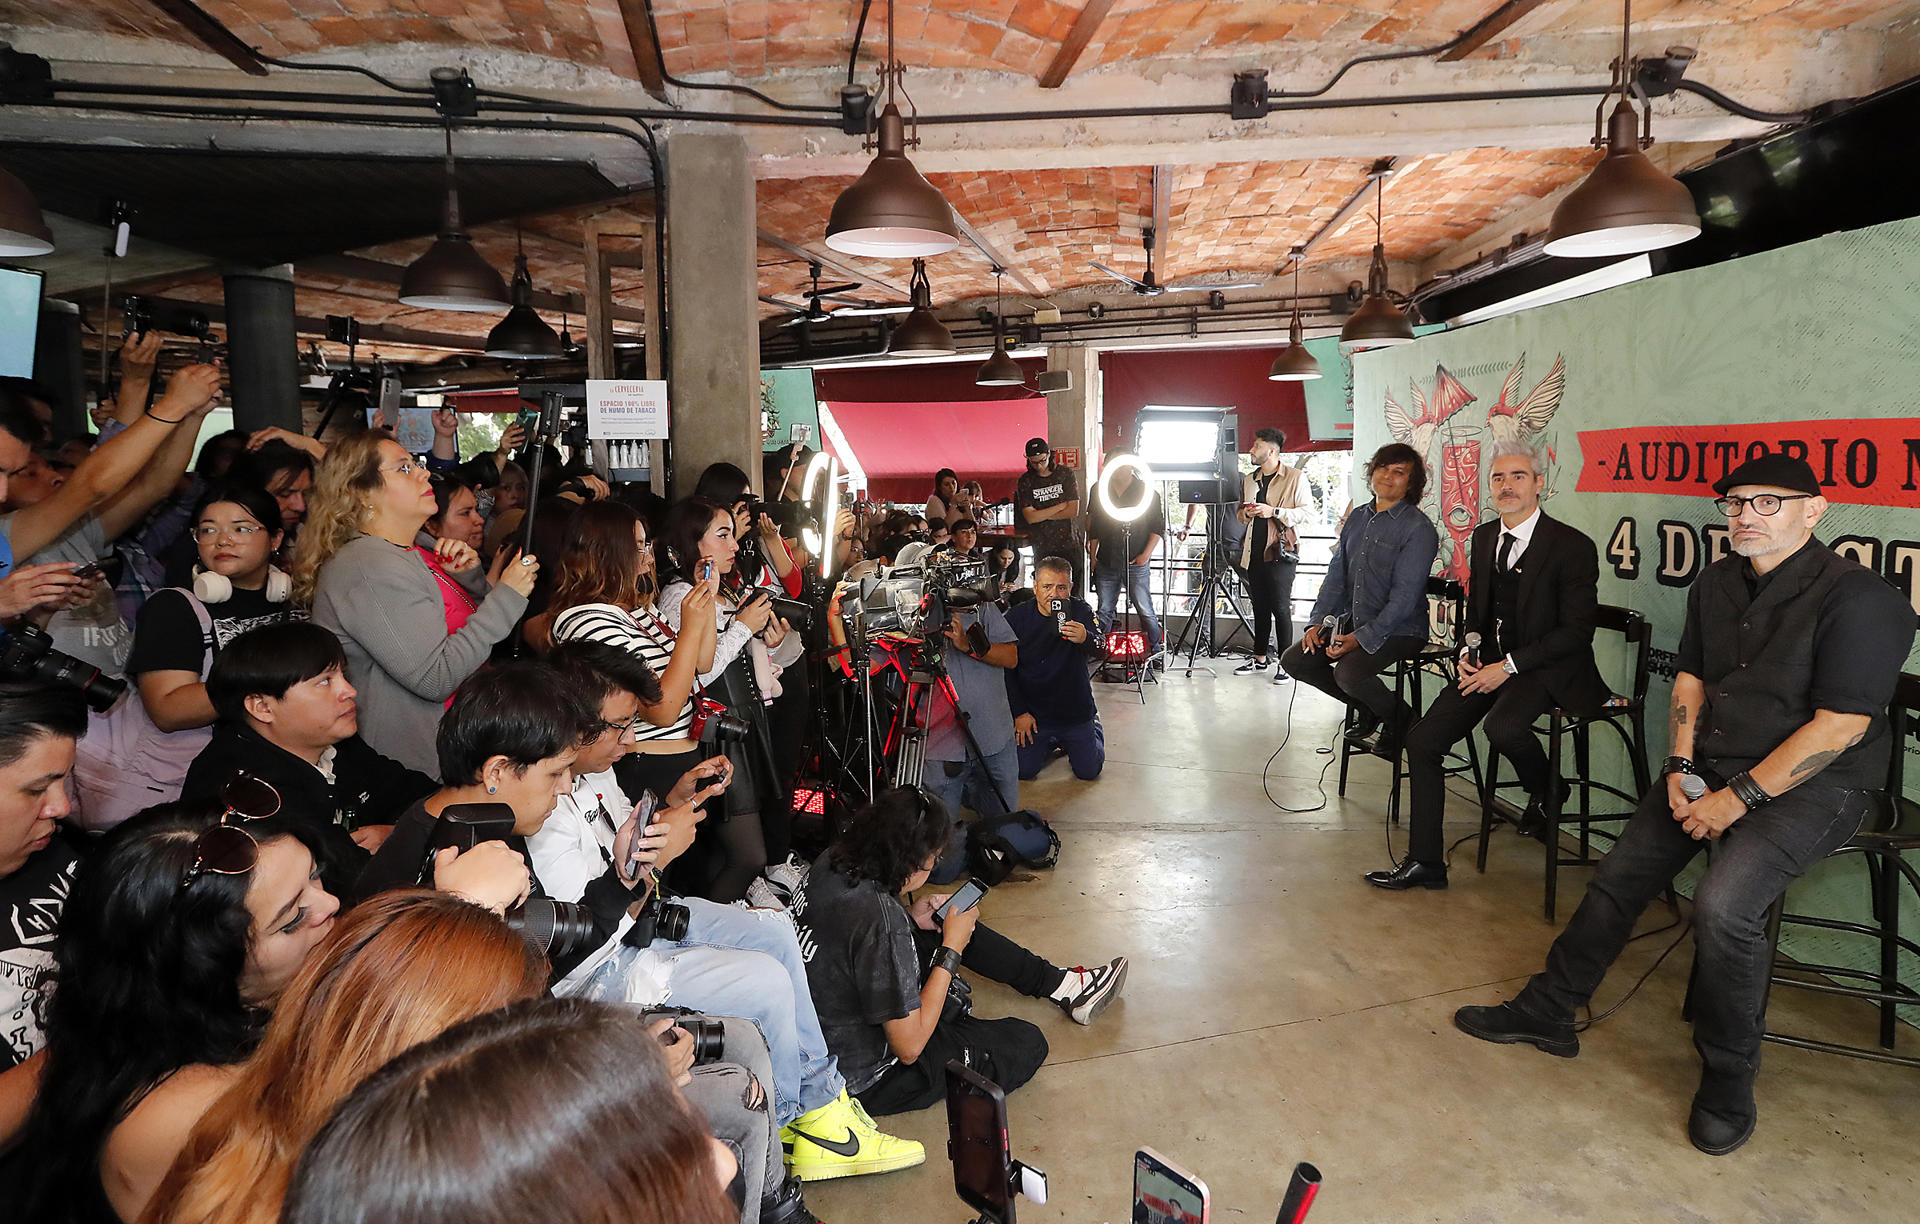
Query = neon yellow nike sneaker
x=840 y=1140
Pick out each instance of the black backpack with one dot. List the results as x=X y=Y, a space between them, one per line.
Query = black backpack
x=998 y=844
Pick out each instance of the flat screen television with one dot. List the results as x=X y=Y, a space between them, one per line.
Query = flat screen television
x=19 y=320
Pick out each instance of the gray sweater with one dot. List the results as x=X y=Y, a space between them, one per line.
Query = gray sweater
x=384 y=604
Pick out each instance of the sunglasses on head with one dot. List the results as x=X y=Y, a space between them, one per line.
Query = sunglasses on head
x=228 y=849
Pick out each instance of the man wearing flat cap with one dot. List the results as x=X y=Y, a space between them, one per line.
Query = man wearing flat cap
x=1787 y=663
x=1048 y=500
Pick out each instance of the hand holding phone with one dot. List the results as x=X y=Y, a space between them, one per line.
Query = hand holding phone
x=966 y=897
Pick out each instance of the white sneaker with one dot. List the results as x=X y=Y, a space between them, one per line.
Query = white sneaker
x=1091 y=990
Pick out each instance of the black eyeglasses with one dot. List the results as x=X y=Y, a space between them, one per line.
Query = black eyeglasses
x=1766 y=505
x=625 y=727
x=228 y=849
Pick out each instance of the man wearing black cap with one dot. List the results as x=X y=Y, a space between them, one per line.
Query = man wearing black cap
x=1787 y=662
x=1049 y=503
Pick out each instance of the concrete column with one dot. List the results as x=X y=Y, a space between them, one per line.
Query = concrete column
x=60 y=363
x=712 y=282
x=263 y=355
x=1073 y=417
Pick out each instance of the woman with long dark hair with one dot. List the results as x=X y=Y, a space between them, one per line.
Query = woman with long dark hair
x=178 y=938
x=399 y=969
x=751 y=646
x=554 y=1110
x=606 y=593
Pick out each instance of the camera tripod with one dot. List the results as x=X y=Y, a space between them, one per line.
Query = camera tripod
x=1216 y=583
x=905 y=745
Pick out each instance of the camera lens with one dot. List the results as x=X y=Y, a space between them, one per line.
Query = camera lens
x=560 y=929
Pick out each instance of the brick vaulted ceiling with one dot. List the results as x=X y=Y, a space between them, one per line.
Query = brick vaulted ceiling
x=1231 y=212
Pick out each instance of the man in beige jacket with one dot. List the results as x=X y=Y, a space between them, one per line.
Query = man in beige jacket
x=1272 y=506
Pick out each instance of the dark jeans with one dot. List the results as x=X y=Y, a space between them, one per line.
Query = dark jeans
x=1750 y=867
x=1509 y=712
x=1084 y=743
x=1355 y=676
x=1006 y=1051
x=1270 y=583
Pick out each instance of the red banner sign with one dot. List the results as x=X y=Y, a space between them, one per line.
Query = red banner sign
x=1863 y=462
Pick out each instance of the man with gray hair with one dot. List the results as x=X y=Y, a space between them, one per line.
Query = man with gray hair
x=1048 y=690
x=1531 y=603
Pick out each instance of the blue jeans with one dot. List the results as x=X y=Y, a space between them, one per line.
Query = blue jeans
x=1750 y=867
x=1084 y=743
x=745 y=962
x=1107 y=582
x=970 y=786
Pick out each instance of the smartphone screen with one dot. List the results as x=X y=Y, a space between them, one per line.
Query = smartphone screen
x=966 y=898
x=977 y=1143
x=1165 y=1193
x=642 y=817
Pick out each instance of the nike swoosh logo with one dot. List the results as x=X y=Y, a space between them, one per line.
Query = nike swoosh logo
x=848 y=1147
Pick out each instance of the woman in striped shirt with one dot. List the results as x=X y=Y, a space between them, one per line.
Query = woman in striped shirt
x=606 y=594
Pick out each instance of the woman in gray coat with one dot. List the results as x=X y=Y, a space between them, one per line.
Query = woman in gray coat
x=413 y=628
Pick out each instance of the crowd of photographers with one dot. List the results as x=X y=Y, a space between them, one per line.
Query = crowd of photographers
x=328 y=772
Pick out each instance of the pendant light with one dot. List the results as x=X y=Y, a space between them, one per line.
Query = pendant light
x=523 y=335
x=23 y=230
x=1295 y=363
x=891 y=211
x=920 y=334
x=999 y=370
x=452 y=275
x=1378 y=323
x=1627 y=204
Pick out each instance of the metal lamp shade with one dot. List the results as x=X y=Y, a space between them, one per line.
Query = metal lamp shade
x=922 y=335
x=452 y=276
x=999 y=370
x=1294 y=363
x=23 y=230
x=1377 y=324
x=524 y=336
x=1626 y=206
x=892 y=211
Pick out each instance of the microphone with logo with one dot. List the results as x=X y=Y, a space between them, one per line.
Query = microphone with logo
x=1473 y=649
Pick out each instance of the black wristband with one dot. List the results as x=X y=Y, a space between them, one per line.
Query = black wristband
x=163 y=420
x=1748 y=791
x=1678 y=764
x=945 y=958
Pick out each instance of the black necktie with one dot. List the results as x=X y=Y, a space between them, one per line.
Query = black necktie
x=1506 y=550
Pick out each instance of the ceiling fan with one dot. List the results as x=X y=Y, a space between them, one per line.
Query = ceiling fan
x=1148 y=287
x=817 y=296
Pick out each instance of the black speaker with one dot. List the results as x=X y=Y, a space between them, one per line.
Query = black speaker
x=1208 y=492
x=1229 y=454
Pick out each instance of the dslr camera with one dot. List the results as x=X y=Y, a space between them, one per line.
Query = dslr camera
x=560 y=929
x=713 y=723
x=28 y=654
x=709 y=1035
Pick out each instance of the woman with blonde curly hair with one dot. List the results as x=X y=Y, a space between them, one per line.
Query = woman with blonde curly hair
x=415 y=620
x=398 y=970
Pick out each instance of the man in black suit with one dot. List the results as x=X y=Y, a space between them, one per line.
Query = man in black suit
x=1532 y=603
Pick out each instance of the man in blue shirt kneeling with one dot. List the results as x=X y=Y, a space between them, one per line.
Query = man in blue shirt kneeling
x=1048 y=690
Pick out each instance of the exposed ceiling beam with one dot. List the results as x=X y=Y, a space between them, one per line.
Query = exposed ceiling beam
x=1084 y=26
x=1491 y=27
x=638 y=17
x=307 y=325
x=212 y=35
x=994 y=257
x=827 y=259
x=356 y=267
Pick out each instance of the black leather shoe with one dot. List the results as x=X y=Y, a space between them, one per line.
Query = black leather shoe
x=1533 y=821
x=1410 y=874
x=1723 y=1114
x=1364 y=724
x=1508 y=1025
x=785 y=1206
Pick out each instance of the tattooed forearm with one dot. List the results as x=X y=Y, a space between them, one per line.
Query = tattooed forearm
x=1815 y=763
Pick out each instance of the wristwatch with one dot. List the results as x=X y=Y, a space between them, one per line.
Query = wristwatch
x=1506 y=665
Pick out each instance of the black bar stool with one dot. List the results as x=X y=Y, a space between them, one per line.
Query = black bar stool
x=1628 y=718
x=1895 y=829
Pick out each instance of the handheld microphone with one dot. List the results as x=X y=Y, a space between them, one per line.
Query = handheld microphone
x=1693 y=786
x=1473 y=649
x=1329 y=627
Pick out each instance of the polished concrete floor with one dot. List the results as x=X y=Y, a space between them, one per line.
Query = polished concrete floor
x=1279 y=1010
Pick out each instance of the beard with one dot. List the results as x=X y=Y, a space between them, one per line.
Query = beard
x=1762 y=548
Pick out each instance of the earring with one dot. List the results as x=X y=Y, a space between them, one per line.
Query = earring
x=489 y=790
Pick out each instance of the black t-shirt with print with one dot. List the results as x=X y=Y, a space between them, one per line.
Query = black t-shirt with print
x=862 y=967
x=167 y=634
x=30 y=903
x=1049 y=537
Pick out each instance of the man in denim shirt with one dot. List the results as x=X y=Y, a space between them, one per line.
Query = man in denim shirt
x=1376 y=585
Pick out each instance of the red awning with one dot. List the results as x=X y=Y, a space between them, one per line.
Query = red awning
x=901 y=446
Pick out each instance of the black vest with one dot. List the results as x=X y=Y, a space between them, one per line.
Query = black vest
x=1757 y=652
x=1504 y=607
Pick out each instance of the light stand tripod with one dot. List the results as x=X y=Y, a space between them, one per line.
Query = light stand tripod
x=1135 y=672
x=1215 y=585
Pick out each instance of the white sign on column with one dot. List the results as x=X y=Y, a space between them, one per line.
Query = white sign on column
x=626 y=408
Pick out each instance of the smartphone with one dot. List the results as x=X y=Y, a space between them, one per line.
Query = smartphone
x=529 y=422
x=965 y=898
x=977 y=1143
x=1165 y=1193
x=706 y=571
x=89 y=571
x=642 y=817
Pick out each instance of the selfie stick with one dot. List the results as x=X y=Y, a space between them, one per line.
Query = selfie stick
x=1301 y=1192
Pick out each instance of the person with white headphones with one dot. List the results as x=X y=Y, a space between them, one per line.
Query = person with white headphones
x=141 y=754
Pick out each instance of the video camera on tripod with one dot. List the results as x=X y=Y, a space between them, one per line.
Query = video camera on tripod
x=913 y=602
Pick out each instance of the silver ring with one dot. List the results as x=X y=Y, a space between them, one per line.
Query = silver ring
x=526 y=560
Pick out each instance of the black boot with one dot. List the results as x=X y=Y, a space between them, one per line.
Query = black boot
x=1508 y=1025
x=1723 y=1114
x=785 y=1206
